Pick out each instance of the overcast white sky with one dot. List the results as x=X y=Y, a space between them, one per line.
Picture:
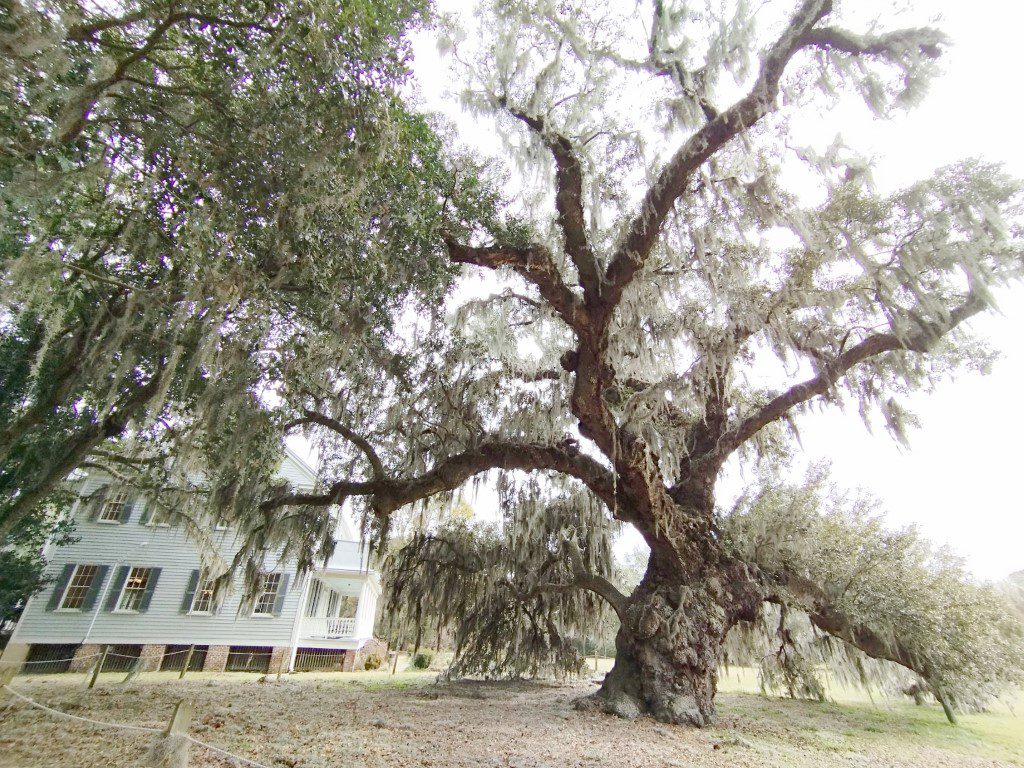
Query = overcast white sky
x=960 y=482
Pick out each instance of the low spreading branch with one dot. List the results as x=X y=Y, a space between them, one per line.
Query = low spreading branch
x=389 y=494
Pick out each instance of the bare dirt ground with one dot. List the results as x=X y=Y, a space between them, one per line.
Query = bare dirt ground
x=369 y=720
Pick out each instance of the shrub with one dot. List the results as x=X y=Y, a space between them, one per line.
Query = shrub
x=422 y=660
x=373 y=661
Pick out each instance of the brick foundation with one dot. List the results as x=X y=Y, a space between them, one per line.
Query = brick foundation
x=216 y=658
x=151 y=657
x=278 y=659
x=85 y=657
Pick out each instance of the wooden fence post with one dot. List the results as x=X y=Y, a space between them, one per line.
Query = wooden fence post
x=170 y=750
x=99 y=666
x=188 y=660
x=7 y=675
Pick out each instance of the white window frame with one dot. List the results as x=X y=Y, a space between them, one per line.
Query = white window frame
x=156 y=519
x=203 y=585
x=315 y=594
x=71 y=584
x=138 y=593
x=267 y=597
x=113 y=504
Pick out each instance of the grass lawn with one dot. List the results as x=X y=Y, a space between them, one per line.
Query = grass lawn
x=374 y=719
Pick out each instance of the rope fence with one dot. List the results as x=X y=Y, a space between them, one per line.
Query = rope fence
x=83 y=657
x=225 y=753
x=69 y=716
x=108 y=654
x=176 y=728
x=49 y=661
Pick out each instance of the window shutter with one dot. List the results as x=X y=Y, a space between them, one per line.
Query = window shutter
x=95 y=587
x=282 y=590
x=147 y=596
x=190 y=592
x=120 y=577
x=60 y=586
x=147 y=514
x=127 y=507
x=95 y=501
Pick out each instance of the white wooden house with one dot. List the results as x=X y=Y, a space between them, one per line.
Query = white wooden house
x=134 y=586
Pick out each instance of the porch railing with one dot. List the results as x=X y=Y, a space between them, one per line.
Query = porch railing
x=329 y=628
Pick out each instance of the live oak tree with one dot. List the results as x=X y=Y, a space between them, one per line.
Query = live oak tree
x=675 y=282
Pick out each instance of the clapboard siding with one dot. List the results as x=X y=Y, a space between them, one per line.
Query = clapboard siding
x=167 y=548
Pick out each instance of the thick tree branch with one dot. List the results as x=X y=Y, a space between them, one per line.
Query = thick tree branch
x=920 y=341
x=815 y=602
x=596 y=583
x=360 y=442
x=925 y=41
x=537 y=376
x=74 y=451
x=388 y=494
x=671 y=183
x=599 y=585
x=568 y=203
x=535 y=265
x=128 y=461
x=89 y=29
x=77 y=113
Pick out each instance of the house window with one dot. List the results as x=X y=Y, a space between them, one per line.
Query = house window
x=202 y=602
x=267 y=594
x=112 y=507
x=160 y=518
x=314 y=598
x=134 y=589
x=78 y=587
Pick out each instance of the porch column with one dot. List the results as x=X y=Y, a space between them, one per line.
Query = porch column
x=366 y=609
x=300 y=612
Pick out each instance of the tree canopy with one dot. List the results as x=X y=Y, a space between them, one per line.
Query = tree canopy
x=234 y=214
x=200 y=204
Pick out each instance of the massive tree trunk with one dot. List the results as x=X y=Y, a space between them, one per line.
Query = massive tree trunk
x=673 y=626
x=667 y=651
